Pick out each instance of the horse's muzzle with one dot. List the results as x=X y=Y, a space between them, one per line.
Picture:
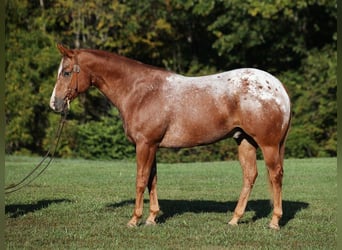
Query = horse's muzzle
x=58 y=104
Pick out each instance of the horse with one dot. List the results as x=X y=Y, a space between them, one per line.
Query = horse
x=160 y=108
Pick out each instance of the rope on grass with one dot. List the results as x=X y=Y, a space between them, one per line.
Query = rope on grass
x=40 y=168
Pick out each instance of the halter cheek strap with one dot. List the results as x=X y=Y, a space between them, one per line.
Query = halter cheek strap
x=73 y=91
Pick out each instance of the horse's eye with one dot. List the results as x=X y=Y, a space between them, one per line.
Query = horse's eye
x=67 y=73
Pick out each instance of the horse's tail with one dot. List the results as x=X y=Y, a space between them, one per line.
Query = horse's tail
x=281 y=155
x=282 y=142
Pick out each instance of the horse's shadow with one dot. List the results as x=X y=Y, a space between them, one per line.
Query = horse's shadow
x=261 y=208
x=171 y=208
x=17 y=210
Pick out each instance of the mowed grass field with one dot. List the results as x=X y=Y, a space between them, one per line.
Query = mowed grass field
x=79 y=204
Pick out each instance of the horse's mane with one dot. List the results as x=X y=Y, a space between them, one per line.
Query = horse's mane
x=117 y=57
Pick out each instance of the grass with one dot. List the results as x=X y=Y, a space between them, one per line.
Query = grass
x=79 y=204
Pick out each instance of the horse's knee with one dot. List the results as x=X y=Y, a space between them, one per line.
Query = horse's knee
x=141 y=186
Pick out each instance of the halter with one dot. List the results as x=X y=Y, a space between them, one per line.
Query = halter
x=73 y=91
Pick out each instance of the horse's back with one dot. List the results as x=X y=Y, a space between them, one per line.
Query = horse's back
x=247 y=89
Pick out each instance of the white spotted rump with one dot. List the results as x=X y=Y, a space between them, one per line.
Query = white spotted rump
x=249 y=88
x=261 y=86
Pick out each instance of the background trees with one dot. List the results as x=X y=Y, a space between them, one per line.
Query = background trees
x=294 y=40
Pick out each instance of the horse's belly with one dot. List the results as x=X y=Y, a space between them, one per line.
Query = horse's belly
x=195 y=127
x=182 y=139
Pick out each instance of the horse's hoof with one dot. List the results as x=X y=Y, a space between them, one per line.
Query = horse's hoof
x=274 y=226
x=131 y=225
x=233 y=224
x=150 y=223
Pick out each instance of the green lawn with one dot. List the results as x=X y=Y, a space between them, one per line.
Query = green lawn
x=79 y=204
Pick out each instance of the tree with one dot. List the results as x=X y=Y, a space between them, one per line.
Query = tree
x=315 y=110
x=295 y=40
x=29 y=71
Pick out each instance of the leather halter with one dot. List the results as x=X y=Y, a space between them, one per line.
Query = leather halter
x=73 y=92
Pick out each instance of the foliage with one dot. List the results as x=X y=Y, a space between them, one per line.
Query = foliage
x=315 y=109
x=255 y=31
x=103 y=140
x=28 y=79
x=295 y=40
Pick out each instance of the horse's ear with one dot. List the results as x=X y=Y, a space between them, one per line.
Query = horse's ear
x=65 y=51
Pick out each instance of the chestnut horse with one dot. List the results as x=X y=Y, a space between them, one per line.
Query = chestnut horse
x=163 y=109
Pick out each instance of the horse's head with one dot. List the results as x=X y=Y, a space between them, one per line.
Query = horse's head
x=71 y=80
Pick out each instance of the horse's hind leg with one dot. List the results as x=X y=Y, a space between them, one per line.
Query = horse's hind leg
x=247 y=157
x=274 y=161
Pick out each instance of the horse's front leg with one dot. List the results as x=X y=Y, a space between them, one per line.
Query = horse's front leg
x=145 y=157
x=152 y=189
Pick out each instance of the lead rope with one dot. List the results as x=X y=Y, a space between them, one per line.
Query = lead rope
x=26 y=181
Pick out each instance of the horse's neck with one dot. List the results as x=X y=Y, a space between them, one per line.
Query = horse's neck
x=116 y=76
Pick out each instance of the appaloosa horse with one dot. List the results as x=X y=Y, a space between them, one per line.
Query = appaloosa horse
x=163 y=109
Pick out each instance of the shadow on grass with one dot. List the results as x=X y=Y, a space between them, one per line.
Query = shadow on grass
x=17 y=210
x=262 y=208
